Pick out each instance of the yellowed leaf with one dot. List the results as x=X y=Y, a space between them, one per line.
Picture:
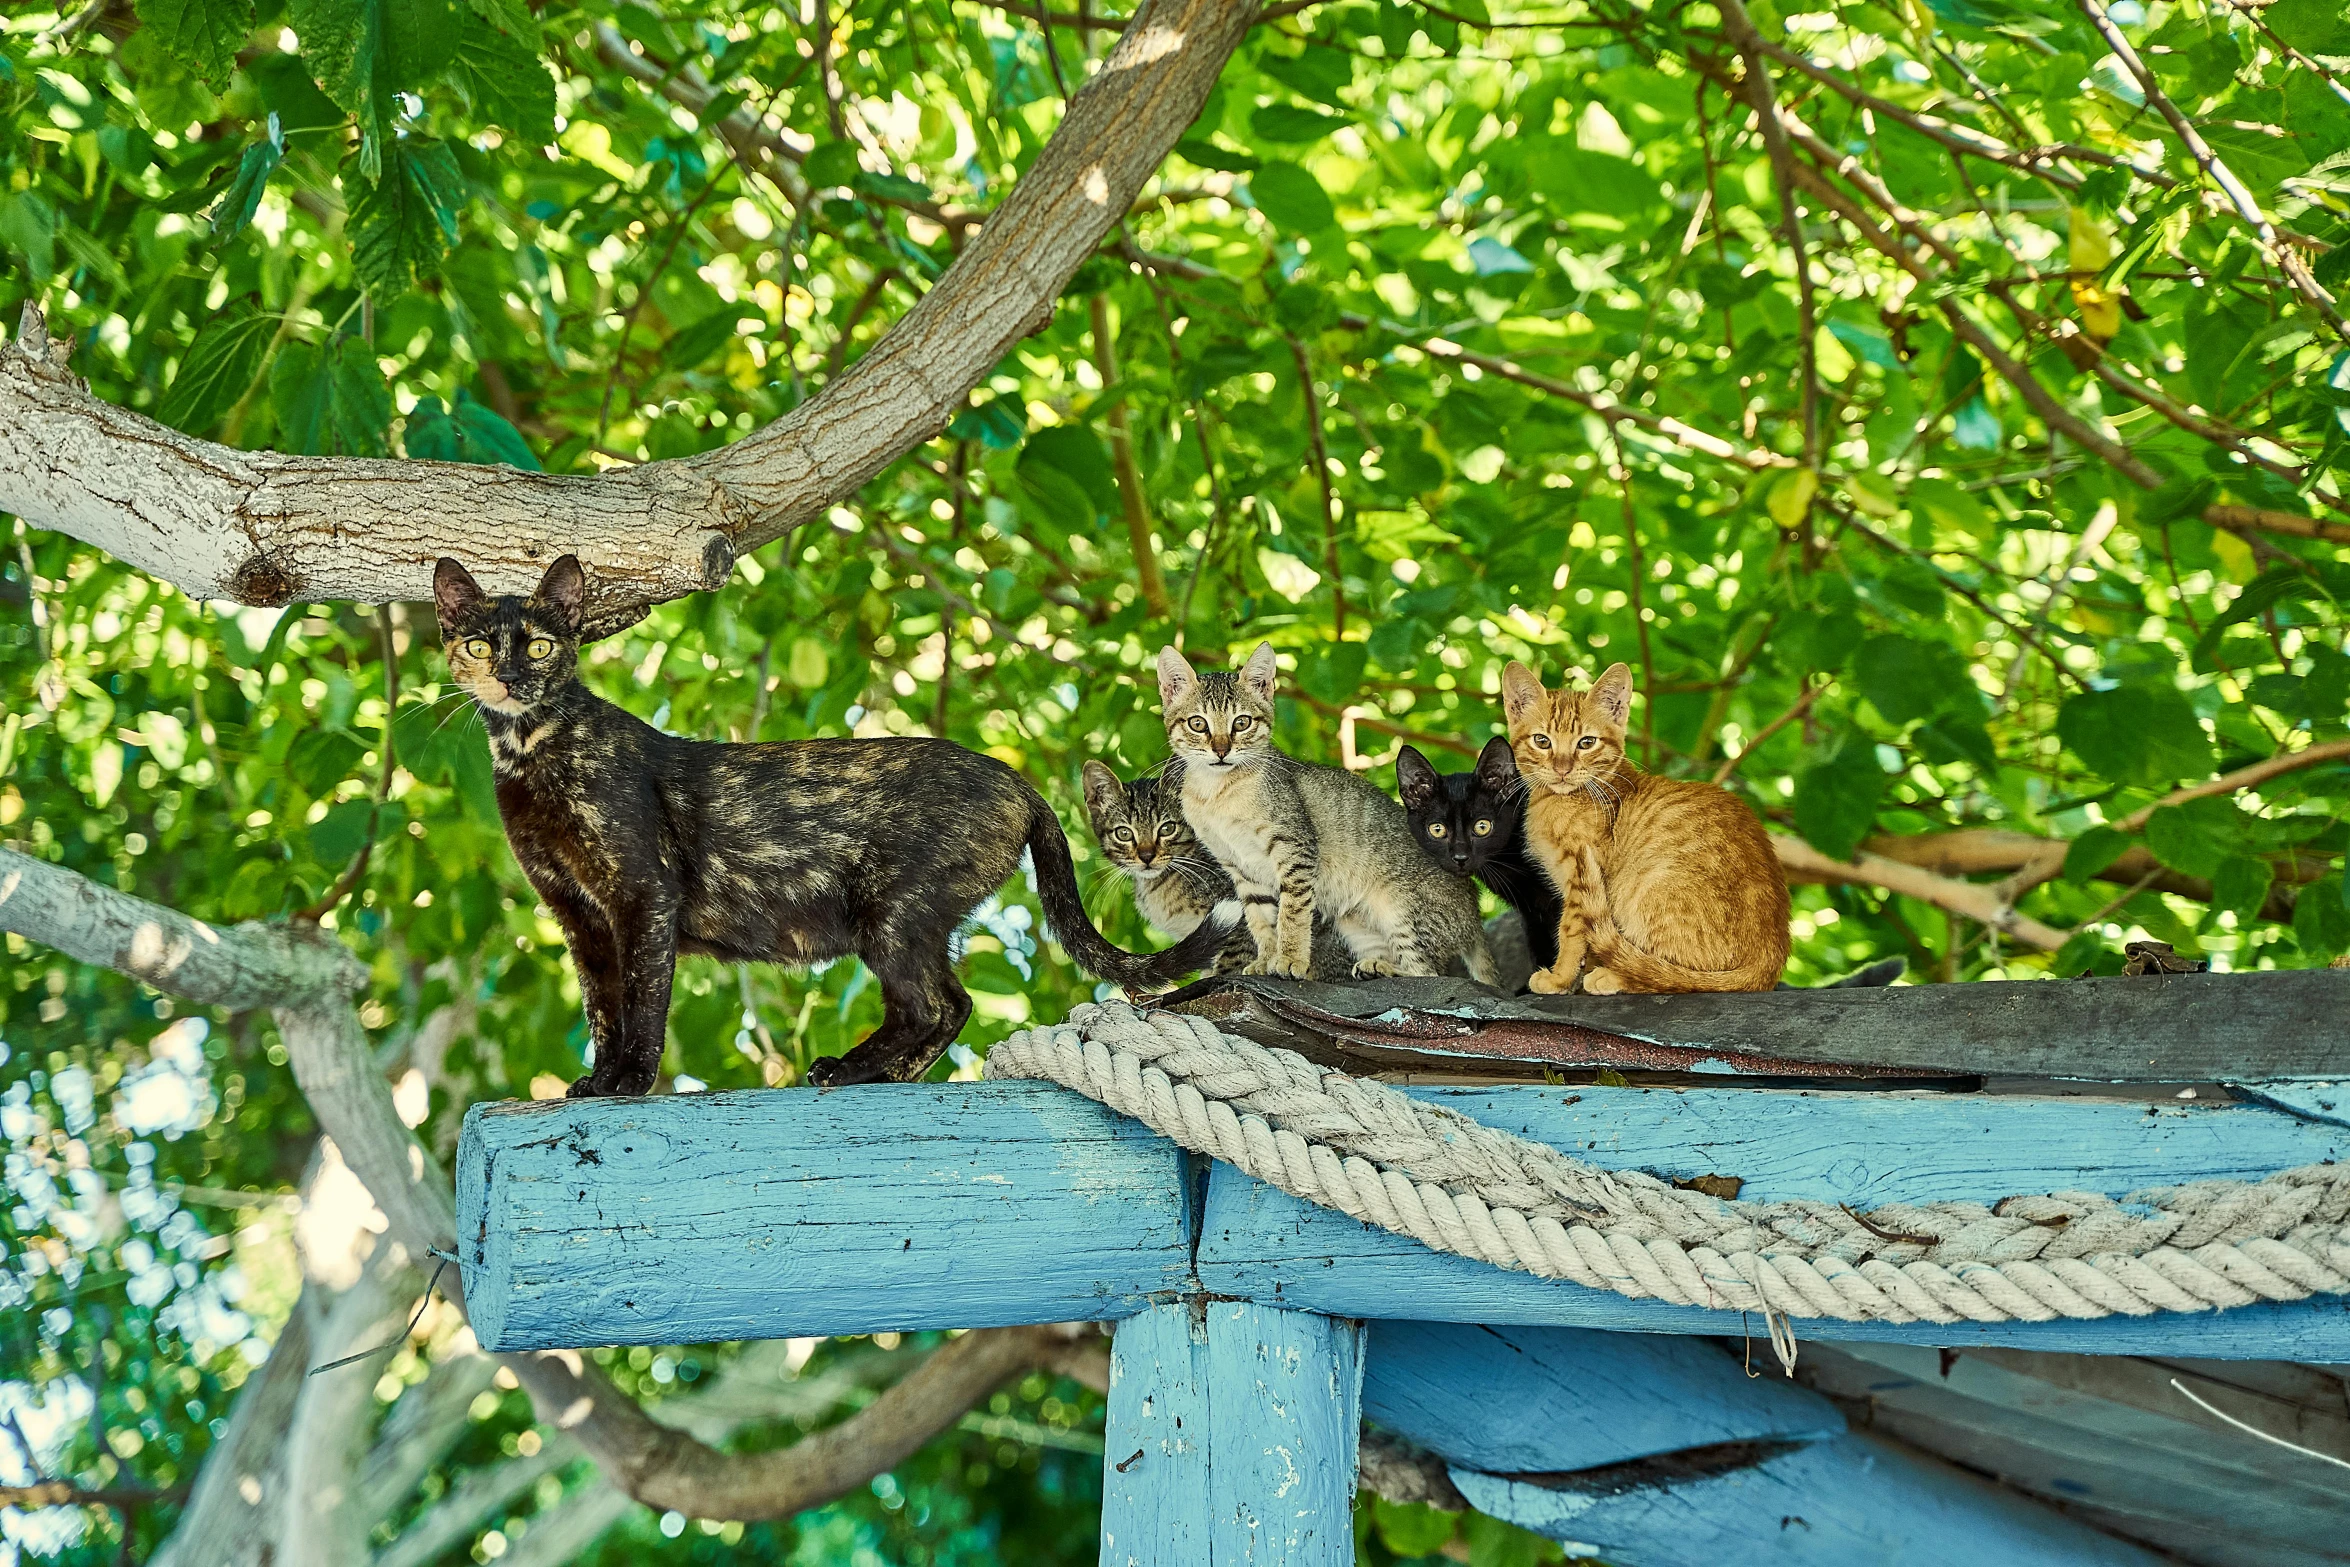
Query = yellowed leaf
x=2090 y=247
x=1790 y=497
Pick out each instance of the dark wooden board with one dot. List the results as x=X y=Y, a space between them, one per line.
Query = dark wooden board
x=2169 y=1028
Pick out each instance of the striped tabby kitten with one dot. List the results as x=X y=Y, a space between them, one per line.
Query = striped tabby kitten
x=1300 y=840
x=646 y=845
x=1141 y=829
x=1669 y=884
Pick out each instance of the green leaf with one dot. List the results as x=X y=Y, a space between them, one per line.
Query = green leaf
x=321 y=758
x=404 y=222
x=471 y=433
x=2092 y=852
x=2183 y=840
x=1210 y=156
x=363 y=52
x=691 y=347
x=2136 y=734
x=28 y=228
x=1075 y=451
x=997 y=425
x=1335 y=673
x=2321 y=917
x=830 y=164
x=1318 y=72
x=220 y=364
x=1411 y=1528
x=236 y=208
x=331 y=402
x=1908 y=679
x=2240 y=885
x=1836 y=799
x=342 y=832
x=1289 y=122
x=1291 y=198
x=500 y=72
x=205 y=33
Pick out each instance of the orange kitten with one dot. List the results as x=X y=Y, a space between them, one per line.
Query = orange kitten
x=1669 y=885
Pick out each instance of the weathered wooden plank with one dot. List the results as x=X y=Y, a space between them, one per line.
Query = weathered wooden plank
x=2171 y=1028
x=772 y=1214
x=2071 y=1447
x=1231 y=1438
x=1863 y=1149
x=1850 y=1502
x=1512 y=1400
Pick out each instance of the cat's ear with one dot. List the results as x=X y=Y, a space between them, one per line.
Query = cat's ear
x=1497 y=767
x=1177 y=679
x=1415 y=779
x=454 y=591
x=1521 y=690
x=1260 y=672
x=1103 y=792
x=1611 y=693
x=564 y=589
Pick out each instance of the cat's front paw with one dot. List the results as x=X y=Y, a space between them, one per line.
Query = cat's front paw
x=1376 y=968
x=1603 y=982
x=1551 y=981
x=586 y=1088
x=1302 y=968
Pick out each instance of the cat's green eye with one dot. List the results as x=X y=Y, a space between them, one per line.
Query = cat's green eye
x=1123 y=834
x=1483 y=828
x=1199 y=726
x=478 y=647
x=1436 y=829
x=1542 y=742
x=540 y=647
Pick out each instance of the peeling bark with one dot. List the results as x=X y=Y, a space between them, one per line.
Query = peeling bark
x=267 y=529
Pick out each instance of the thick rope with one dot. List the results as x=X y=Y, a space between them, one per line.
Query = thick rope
x=1460 y=1186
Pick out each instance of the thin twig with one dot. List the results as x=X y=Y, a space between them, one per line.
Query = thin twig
x=1795 y=710
x=1759 y=93
x=2242 y=778
x=1321 y=459
x=1131 y=495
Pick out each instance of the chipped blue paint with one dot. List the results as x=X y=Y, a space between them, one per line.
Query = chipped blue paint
x=1230 y=1438
x=775 y=1214
x=1850 y=1502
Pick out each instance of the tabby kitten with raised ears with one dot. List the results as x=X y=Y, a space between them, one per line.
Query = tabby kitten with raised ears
x=1300 y=840
x=1177 y=884
x=646 y=845
x=1668 y=884
x=1469 y=824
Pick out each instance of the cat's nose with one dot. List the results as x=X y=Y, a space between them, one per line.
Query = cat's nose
x=1146 y=852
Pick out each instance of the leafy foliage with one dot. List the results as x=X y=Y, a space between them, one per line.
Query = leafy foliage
x=2014 y=576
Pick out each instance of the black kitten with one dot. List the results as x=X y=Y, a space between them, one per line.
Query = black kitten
x=645 y=845
x=1468 y=823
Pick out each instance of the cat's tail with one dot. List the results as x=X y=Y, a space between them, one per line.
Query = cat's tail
x=1610 y=949
x=1064 y=911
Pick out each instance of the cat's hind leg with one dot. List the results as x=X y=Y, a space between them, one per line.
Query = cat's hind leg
x=1584 y=900
x=924 y=1007
x=1375 y=954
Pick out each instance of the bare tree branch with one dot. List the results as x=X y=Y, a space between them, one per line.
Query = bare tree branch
x=1130 y=489
x=1756 y=87
x=310 y=975
x=2250 y=777
x=266 y=528
x=1972 y=900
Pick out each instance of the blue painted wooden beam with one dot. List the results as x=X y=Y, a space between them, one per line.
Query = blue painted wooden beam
x=1261 y=1244
x=773 y=1214
x=1853 y=1501
x=766 y=1214
x=1517 y=1400
x=1230 y=1438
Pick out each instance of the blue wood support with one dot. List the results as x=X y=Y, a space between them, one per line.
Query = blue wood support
x=772 y=1214
x=1852 y=1501
x=1541 y=1400
x=1231 y=1438
x=1262 y=1244
x=767 y=1214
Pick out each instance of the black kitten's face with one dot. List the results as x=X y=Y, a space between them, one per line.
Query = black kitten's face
x=510 y=653
x=1462 y=819
x=1139 y=825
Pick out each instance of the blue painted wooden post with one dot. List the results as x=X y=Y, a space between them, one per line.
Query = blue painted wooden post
x=1231 y=1438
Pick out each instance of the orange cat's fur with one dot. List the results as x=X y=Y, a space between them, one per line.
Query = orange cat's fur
x=1670 y=885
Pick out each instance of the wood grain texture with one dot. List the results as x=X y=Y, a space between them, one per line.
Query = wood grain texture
x=774 y=1214
x=2070 y=1446
x=2172 y=1028
x=1537 y=1400
x=1863 y=1149
x=1851 y=1502
x=1231 y=1438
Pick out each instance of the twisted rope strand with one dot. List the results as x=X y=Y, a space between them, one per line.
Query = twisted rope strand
x=1457 y=1185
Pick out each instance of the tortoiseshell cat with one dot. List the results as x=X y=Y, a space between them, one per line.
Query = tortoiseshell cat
x=646 y=845
x=1140 y=827
x=1668 y=884
x=1468 y=823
